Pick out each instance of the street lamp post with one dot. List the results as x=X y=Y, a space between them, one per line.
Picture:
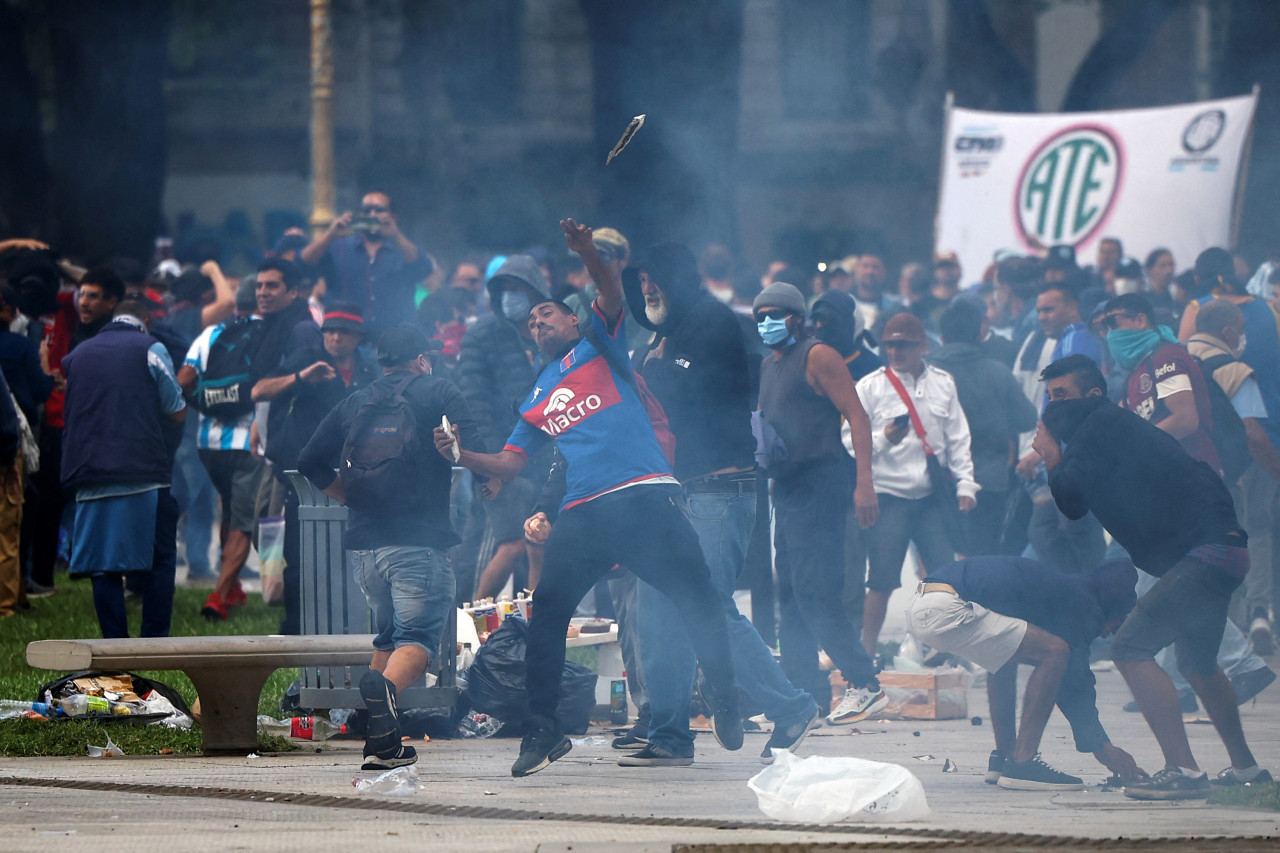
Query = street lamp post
x=322 y=177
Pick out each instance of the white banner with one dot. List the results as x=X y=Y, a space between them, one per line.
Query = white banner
x=1153 y=177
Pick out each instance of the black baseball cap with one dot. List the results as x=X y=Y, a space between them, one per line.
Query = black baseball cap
x=404 y=342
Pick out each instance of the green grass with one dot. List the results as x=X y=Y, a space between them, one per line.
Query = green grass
x=69 y=615
x=1265 y=796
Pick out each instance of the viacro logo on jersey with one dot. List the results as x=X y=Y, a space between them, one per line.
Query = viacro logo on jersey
x=1069 y=186
x=580 y=394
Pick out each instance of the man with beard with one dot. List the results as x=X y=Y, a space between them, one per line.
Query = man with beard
x=620 y=504
x=805 y=388
x=697 y=368
x=1174 y=516
x=374 y=264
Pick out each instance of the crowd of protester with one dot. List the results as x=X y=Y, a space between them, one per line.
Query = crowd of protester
x=894 y=423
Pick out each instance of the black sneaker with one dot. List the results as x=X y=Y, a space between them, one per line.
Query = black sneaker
x=1228 y=779
x=634 y=738
x=542 y=744
x=789 y=737
x=1251 y=683
x=1169 y=784
x=655 y=756
x=382 y=735
x=1035 y=775
x=726 y=722
x=995 y=767
x=726 y=725
x=399 y=757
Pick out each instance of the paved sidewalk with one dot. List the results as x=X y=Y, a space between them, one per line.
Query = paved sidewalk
x=473 y=775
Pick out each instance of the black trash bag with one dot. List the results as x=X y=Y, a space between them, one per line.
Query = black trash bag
x=496 y=681
x=63 y=687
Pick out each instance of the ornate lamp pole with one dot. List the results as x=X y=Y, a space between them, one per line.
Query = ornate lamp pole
x=322 y=177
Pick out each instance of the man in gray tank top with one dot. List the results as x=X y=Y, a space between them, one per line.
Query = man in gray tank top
x=805 y=388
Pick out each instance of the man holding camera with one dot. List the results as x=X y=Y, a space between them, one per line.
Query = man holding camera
x=374 y=265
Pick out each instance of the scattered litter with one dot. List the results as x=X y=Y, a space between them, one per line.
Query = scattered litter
x=253 y=755
x=976 y=721
x=401 y=782
x=949 y=767
x=1102 y=666
x=108 y=751
x=57 y=832
x=924 y=758
x=491 y=793
x=915 y=734
x=588 y=741
x=822 y=789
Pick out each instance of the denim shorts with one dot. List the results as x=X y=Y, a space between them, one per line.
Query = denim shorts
x=410 y=589
x=1188 y=608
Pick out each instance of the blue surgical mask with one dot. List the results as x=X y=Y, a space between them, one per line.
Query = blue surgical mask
x=774 y=333
x=515 y=305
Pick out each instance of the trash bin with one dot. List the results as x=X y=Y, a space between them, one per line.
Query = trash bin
x=332 y=603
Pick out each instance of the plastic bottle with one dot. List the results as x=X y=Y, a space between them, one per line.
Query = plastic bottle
x=80 y=704
x=401 y=782
x=11 y=708
x=302 y=728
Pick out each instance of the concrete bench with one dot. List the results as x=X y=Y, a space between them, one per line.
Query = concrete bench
x=228 y=672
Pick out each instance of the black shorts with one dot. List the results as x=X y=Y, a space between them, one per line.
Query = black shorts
x=1188 y=608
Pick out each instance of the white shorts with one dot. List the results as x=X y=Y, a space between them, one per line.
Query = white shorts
x=948 y=623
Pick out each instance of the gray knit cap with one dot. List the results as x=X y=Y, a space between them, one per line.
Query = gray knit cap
x=780 y=295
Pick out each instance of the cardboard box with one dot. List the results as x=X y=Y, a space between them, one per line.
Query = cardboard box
x=940 y=695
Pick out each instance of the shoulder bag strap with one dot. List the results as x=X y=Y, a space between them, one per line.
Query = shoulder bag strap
x=911 y=409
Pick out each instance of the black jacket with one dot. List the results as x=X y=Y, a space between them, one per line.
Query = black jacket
x=1139 y=482
x=496 y=368
x=421 y=517
x=994 y=405
x=702 y=380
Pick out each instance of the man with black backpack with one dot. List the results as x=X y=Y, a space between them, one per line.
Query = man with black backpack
x=399 y=531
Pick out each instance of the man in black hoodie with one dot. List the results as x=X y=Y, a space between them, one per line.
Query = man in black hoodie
x=1174 y=516
x=496 y=369
x=697 y=368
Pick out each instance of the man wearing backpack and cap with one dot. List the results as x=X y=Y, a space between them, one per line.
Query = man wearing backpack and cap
x=399 y=532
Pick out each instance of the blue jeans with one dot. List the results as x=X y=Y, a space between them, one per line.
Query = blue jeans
x=193 y=490
x=723 y=522
x=410 y=590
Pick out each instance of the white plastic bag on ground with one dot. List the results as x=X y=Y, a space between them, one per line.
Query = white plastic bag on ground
x=820 y=789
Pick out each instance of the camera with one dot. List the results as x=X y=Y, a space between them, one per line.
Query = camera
x=368 y=224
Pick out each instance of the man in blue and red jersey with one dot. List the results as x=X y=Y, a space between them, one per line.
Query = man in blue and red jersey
x=620 y=506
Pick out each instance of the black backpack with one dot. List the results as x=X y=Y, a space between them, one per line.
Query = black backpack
x=1227 y=430
x=380 y=450
x=225 y=389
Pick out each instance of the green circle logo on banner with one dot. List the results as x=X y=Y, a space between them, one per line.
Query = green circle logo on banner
x=1069 y=186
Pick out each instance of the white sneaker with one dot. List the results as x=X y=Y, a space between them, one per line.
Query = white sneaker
x=858 y=704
